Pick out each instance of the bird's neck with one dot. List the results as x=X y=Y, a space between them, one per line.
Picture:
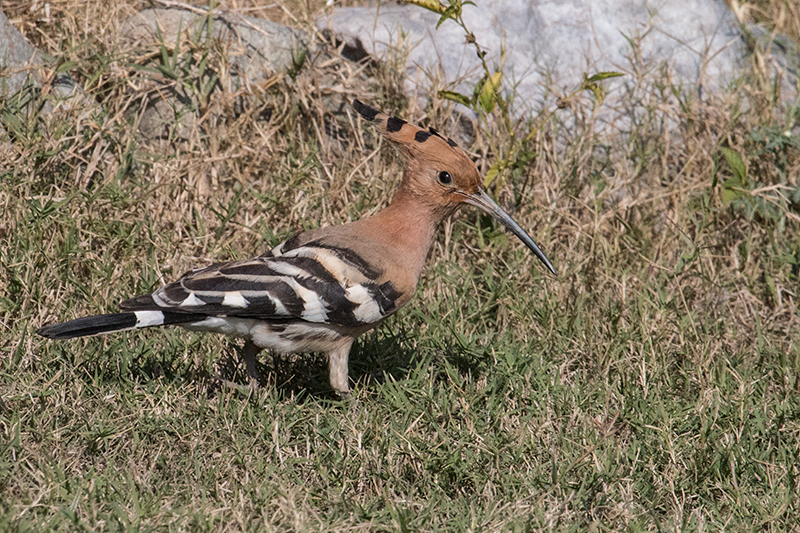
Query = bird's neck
x=408 y=227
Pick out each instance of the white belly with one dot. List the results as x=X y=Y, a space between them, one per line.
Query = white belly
x=287 y=338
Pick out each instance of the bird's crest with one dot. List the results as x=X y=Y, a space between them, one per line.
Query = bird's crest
x=423 y=147
x=398 y=130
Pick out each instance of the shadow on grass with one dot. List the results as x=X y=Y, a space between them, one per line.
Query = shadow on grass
x=375 y=357
x=300 y=376
x=467 y=360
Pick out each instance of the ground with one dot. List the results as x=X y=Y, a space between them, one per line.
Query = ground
x=653 y=385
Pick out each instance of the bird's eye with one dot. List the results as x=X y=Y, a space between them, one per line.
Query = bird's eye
x=445 y=178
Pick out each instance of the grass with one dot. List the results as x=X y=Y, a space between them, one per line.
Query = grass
x=653 y=386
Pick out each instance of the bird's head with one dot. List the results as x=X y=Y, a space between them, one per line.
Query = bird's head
x=441 y=174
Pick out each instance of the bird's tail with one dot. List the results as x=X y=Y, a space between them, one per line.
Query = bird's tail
x=100 y=324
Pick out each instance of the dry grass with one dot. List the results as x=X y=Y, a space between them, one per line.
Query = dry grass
x=781 y=16
x=652 y=386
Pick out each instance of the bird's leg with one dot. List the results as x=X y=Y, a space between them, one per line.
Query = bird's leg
x=249 y=353
x=337 y=368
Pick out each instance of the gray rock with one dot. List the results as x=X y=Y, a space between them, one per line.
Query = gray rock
x=17 y=59
x=781 y=55
x=258 y=48
x=21 y=66
x=20 y=62
x=550 y=44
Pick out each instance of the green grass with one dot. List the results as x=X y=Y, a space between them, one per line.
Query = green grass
x=653 y=386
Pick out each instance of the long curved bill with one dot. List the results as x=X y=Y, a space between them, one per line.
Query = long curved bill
x=482 y=201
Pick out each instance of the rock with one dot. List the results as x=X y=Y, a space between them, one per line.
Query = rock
x=258 y=48
x=550 y=44
x=21 y=63
x=16 y=57
x=782 y=57
x=22 y=67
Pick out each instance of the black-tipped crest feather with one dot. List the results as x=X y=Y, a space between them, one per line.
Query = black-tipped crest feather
x=365 y=111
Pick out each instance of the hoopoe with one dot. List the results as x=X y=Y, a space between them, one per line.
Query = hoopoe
x=321 y=289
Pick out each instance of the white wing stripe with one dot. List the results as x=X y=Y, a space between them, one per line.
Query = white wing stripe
x=279 y=307
x=368 y=312
x=235 y=299
x=191 y=300
x=358 y=294
x=288 y=269
x=255 y=278
x=146 y=319
x=314 y=307
x=338 y=268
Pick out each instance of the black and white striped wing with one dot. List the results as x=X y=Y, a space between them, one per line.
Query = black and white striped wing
x=313 y=283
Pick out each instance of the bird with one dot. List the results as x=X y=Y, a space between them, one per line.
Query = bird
x=321 y=289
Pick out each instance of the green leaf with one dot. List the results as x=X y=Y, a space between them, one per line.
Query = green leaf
x=590 y=83
x=735 y=161
x=12 y=122
x=455 y=97
x=451 y=12
x=686 y=259
x=731 y=192
x=430 y=5
x=732 y=188
x=600 y=76
x=488 y=95
x=67 y=66
x=493 y=172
